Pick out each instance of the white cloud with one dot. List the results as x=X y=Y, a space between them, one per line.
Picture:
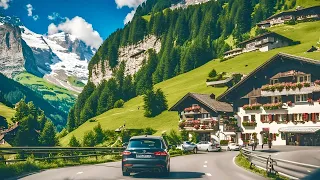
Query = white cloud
x=129 y=3
x=54 y=16
x=29 y=9
x=129 y=17
x=35 y=17
x=80 y=29
x=52 y=29
x=4 y=4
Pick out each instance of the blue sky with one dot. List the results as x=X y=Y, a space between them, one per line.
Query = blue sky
x=104 y=15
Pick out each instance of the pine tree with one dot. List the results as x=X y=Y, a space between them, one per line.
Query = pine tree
x=48 y=135
x=98 y=133
x=71 y=120
x=74 y=142
x=89 y=139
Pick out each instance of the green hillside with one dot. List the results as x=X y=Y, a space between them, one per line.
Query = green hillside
x=57 y=96
x=194 y=81
x=6 y=112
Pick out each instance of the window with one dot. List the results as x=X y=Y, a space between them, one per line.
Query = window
x=145 y=143
x=195 y=105
x=245 y=118
x=283 y=136
x=253 y=118
x=306 y=78
x=301 y=98
x=253 y=101
x=276 y=99
x=274 y=81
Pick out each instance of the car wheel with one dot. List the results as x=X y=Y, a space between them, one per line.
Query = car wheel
x=207 y=150
x=195 y=150
x=125 y=173
x=228 y=149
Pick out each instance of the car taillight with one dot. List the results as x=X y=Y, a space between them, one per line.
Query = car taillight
x=217 y=145
x=126 y=153
x=159 y=153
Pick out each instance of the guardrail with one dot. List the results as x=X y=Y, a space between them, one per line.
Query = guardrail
x=50 y=153
x=290 y=169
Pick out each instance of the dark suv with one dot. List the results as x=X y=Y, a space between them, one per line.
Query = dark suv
x=146 y=154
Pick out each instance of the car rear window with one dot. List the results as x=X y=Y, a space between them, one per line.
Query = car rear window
x=145 y=143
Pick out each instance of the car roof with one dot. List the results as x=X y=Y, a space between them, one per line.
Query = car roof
x=146 y=137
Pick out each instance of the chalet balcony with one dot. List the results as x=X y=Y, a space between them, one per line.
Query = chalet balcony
x=201 y=124
x=289 y=89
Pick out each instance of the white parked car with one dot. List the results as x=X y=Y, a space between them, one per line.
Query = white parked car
x=233 y=147
x=208 y=146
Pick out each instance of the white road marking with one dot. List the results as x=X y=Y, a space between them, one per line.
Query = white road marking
x=276 y=154
x=79 y=173
x=308 y=170
x=205 y=166
x=208 y=174
x=206 y=162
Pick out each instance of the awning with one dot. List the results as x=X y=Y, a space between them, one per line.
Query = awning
x=300 y=129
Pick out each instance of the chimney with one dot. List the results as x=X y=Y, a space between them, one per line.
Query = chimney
x=212 y=96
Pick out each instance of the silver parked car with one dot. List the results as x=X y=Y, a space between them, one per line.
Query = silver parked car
x=208 y=146
x=188 y=146
x=233 y=147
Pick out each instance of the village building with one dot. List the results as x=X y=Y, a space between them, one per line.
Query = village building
x=300 y=14
x=232 y=53
x=279 y=101
x=202 y=114
x=265 y=42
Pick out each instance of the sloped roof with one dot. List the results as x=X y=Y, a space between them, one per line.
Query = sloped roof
x=279 y=55
x=287 y=74
x=313 y=9
x=233 y=50
x=206 y=100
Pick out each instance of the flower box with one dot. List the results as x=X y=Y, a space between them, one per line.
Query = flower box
x=287 y=86
x=252 y=107
x=249 y=123
x=272 y=106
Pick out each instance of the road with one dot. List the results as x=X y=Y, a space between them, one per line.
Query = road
x=213 y=165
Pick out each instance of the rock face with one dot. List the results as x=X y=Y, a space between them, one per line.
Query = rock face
x=55 y=57
x=14 y=53
x=186 y=3
x=132 y=55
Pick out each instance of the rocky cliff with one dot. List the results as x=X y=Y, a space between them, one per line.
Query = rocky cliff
x=56 y=57
x=132 y=55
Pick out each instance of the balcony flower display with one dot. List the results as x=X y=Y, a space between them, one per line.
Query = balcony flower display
x=249 y=123
x=194 y=108
x=182 y=125
x=272 y=106
x=196 y=126
x=287 y=86
x=317 y=82
x=289 y=103
x=252 y=107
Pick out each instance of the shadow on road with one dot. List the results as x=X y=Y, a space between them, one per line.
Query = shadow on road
x=267 y=150
x=173 y=175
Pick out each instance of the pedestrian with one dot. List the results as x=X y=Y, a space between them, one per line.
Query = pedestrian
x=262 y=145
x=270 y=143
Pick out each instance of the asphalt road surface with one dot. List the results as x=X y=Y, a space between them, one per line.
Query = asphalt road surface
x=213 y=165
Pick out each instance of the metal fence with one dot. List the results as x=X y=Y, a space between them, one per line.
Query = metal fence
x=50 y=153
x=290 y=169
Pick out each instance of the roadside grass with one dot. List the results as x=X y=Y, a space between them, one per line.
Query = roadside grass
x=7 y=113
x=30 y=166
x=195 y=81
x=241 y=161
x=178 y=152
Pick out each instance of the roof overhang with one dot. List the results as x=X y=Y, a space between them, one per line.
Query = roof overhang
x=300 y=129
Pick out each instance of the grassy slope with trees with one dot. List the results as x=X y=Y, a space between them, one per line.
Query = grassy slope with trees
x=57 y=96
x=194 y=81
x=13 y=92
x=190 y=38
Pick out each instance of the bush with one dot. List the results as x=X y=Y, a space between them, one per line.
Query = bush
x=89 y=139
x=213 y=73
x=63 y=133
x=119 y=104
x=74 y=142
x=224 y=142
